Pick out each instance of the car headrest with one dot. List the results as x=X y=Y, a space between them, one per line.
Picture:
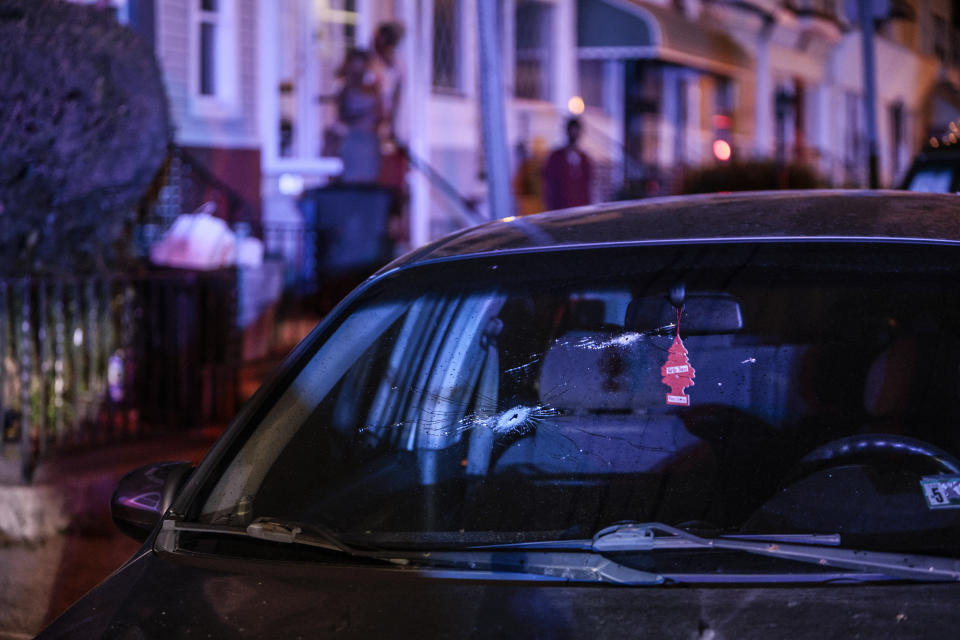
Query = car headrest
x=601 y=370
x=914 y=375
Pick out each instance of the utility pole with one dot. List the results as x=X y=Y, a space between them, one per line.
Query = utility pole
x=867 y=10
x=492 y=112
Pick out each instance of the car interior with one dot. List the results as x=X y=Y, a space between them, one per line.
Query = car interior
x=813 y=409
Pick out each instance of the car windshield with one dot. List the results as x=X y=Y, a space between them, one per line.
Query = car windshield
x=815 y=388
x=932 y=178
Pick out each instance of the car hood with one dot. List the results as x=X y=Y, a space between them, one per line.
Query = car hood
x=178 y=596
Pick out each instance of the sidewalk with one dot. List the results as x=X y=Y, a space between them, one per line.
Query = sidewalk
x=41 y=577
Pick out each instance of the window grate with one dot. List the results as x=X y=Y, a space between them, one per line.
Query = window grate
x=533 y=51
x=446 y=54
x=208 y=44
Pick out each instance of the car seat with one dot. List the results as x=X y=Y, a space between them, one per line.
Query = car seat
x=611 y=426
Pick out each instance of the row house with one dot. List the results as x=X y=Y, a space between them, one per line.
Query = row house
x=662 y=85
x=808 y=81
x=771 y=79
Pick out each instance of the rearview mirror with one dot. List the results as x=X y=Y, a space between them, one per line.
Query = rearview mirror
x=144 y=495
x=703 y=314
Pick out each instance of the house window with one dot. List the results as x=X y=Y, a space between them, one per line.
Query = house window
x=723 y=108
x=533 y=30
x=591 y=74
x=214 y=54
x=940 y=38
x=140 y=15
x=680 y=119
x=311 y=43
x=446 y=45
x=208 y=47
x=897 y=136
x=821 y=8
x=854 y=134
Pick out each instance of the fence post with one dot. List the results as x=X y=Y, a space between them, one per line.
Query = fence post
x=25 y=333
x=4 y=323
x=76 y=372
x=43 y=365
x=91 y=348
x=59 y=348
x=108 y=348
x=128 y=332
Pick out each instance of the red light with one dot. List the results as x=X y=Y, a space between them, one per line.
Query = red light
x=721 y=121
x=722 y=150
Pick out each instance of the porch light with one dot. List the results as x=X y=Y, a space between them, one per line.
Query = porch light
x=291 y=184
x=722 y=150
x=576 y=105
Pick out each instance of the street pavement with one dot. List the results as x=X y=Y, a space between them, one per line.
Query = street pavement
x=70 y=543
x=41 y=578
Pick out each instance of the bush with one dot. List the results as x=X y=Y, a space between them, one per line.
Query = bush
x=750 y=176
x=84 y=129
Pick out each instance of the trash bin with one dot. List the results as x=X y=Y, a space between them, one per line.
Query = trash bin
x=350 y=227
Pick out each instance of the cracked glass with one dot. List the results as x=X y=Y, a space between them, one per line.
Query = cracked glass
x=523 y=397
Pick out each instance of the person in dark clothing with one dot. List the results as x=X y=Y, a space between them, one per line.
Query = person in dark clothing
x=360 y=110
x=568 y=172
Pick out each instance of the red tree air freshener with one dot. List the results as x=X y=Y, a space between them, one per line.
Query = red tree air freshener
x=677 y=372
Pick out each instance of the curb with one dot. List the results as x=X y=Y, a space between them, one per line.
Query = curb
x=72 y=490
x=30 y=515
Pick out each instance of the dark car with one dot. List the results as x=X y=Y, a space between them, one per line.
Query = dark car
x=707 y=417
x=934 y=171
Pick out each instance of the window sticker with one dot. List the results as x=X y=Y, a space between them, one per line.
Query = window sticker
x=941 y=492
x=677 y=372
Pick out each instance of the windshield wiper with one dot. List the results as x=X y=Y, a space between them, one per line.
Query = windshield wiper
x=290 y=533
x=594 y=544
x=575 y=567
x=546 y=565
x=811 y=549
x=273 y=530
x=585 y=560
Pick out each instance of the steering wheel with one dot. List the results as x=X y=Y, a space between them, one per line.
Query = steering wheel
x=850 y=449
x=860 y=483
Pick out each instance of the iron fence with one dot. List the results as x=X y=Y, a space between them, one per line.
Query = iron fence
x=85 y=361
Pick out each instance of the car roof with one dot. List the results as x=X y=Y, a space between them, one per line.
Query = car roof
x=944 y=154
x=769 y=216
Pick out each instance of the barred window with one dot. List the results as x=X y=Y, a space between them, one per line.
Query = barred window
x=207 y=81
x=533 y=52
x=940 y=38
x=955 y=47
x=591 y=74
x=213 y=50
x=446 y=45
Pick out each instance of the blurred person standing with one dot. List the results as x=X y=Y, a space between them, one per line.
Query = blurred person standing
x=388 y=78
x=527 y=181
x=568 y=172
x=387 y=74
x=360 y=110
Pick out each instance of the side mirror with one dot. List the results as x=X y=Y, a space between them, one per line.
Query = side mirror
x=144 y=495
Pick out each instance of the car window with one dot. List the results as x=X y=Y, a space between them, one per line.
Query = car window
x=932 y=179
x=529 y=396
